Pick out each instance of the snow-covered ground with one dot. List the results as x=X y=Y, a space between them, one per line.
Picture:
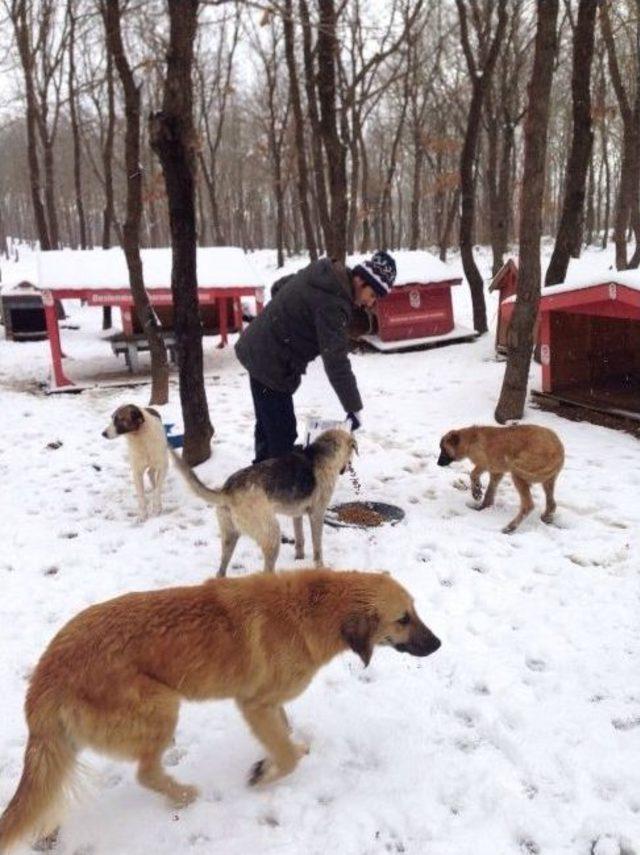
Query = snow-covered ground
x=521 y=735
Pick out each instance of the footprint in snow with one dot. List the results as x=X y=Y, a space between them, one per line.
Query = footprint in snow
x=174 y=756
x=626 y=723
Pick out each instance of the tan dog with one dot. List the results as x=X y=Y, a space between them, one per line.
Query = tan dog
x=532 y=454
x=298 y=483
x=147 y=443
x=112 y=679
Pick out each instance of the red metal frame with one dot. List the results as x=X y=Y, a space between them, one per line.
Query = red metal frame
x=122 y=298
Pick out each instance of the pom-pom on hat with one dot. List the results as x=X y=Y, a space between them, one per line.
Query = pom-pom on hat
x=379 y=272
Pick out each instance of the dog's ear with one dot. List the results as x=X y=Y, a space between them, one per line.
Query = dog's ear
x=453 y=438
x=357 y=631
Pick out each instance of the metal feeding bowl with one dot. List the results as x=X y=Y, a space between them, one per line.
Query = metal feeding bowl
x=363 y=515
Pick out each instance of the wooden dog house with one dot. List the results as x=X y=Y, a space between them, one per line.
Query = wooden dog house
x=590 y=343
x=418 y=311
x=505 y=282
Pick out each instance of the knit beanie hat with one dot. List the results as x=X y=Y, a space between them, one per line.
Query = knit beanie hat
x=379 y=272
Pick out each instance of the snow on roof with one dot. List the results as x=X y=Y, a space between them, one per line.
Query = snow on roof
x=220 y=266
x=630 y=278
x=414 y=266
x=583 y=280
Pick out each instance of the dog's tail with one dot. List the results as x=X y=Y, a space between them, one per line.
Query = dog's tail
x=211 y=496
x=34 y=810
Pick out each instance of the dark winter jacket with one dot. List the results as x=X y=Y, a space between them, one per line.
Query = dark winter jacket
x=308 y=317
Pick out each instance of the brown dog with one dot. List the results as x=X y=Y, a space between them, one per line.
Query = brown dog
x=112 y=679
x=532 y=454
x=298 y=483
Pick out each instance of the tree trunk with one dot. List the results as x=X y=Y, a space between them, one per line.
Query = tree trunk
x=628 y=201
x=520 y=335
x=131 y=233
x=589 y=223
x=416 y=188
x=107 y=157
x=75 y=130
x=336 y=158
x=480 y=79
x=47 y=140
x=301 y=157
x=107 y=162
x=23 y=40
x=445 y=237
x=173 y=139
x=314 y=120
x=569 y=236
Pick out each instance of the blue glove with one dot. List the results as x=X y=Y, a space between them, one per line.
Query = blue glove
x=355 y=419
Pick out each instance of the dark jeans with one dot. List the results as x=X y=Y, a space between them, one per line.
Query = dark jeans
x=276 y=430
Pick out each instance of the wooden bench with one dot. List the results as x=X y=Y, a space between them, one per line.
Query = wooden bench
x=132 y=345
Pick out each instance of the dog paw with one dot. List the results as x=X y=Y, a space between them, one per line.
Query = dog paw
x=299 y=556
x=47 y=842
x=476 y=491
x=260 y=772
x=509 y=529
x=547 y=518
x=302 y=748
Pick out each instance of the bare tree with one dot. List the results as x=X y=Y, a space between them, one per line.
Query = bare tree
x=52 y=37
x=112 y=12
x=628 y=202
x=504 y=111
x=480 y=71
x=274 y=119
x=520 y=335
x=173 y=139
x=298 y=124
x=214 y=90
x=569 y=236
x=20 y=13
x=73 y=114
x=336 y=237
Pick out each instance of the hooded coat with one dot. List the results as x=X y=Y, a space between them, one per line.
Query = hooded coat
x=308 y=317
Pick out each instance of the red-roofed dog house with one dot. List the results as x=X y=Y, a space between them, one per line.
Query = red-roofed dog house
x=418 y=311
x=505 y=282
x=590 y=343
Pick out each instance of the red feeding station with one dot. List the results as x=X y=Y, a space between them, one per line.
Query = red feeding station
x=100 y=278
x=418 y=311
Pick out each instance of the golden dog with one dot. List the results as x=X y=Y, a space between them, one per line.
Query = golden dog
x=532 y=454
x=301 y=482
x=112 y=679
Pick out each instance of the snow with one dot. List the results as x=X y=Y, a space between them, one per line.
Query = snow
x=221 y=266
x=593 y=268
x=520 y=735
x=414 y=266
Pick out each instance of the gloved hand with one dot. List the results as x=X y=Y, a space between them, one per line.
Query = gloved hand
x=355 y=419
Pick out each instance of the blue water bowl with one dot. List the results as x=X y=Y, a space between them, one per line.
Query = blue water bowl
x=175 y=441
